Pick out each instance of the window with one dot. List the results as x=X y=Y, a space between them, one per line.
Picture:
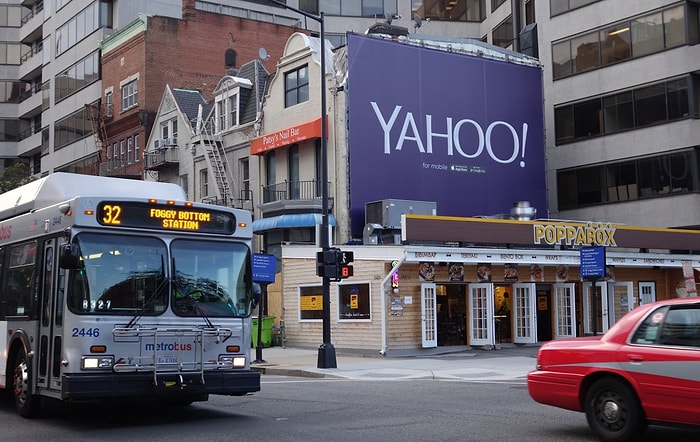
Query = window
x=561 y=59
x=246 y=194
x=615 y=44
x=233 y=111
x=647 y=34
x=628 y=180
x=296 y=86
x=11 y=16
x=19 y=279
x=293 y=172
x=557 y=7
x=681 y=327
x=653 y=104
x=496 y=3
x=129 y=147
x=618 y=112
x=587 y=119
x=121 y=152
x=129 y=95
x=354 y=302
x=349 y=8
x=136 y=148
x=230 y=59
x=625 y=39
x=9 y=130
x=72 y=128
x=11 y=53
x=204 y=183
x=586 y=52
x=109 y=110
x=529 y=11
x=77 y=28
x=503 y=34
x=310 y=302
x=650 y=104
x=450 y=10
x=221 y=115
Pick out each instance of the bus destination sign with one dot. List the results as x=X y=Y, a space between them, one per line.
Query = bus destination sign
x=165 y=217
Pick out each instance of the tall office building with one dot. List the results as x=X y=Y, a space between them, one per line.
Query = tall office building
x=55 y=57
x=622 y=94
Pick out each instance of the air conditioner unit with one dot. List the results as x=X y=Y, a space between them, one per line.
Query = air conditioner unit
x=160 y=144
x=170 y=141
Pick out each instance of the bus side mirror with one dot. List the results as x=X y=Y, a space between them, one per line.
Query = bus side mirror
x=256 y=294
x=69 y=256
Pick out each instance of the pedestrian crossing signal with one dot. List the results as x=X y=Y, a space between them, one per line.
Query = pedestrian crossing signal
x=345 y=271
x=334 y=264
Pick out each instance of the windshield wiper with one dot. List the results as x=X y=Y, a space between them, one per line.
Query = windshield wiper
x=186 y=293
x=150 y=299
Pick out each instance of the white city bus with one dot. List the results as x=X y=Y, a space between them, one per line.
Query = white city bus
x=114 y=288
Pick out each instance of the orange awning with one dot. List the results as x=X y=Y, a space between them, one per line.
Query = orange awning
x=286 y=136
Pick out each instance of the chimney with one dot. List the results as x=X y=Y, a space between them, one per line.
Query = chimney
x=188 y=10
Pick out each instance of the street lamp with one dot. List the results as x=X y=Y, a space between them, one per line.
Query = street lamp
x=326 y=352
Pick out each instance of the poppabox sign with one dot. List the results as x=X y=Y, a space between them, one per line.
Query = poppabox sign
x=464 y=131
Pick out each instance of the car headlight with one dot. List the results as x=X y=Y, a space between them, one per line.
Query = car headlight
x=96 y=362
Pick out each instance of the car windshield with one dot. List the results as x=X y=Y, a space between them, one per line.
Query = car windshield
x=119 y=275
x=211 y=278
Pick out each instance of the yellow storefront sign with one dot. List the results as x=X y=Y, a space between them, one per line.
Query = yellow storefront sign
x=311 y=302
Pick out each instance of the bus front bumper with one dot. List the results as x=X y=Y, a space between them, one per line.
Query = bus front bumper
x=88 y=386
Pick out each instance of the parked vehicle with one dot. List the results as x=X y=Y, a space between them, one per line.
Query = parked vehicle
x=645 y=369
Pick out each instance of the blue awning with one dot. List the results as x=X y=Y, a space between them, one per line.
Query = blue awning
x=291 y=220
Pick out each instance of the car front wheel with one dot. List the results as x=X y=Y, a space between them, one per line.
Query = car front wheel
x=613 y=411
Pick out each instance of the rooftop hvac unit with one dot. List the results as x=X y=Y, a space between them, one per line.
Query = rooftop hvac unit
x=387 y=213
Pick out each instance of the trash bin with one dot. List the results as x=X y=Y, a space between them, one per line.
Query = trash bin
x=266 y=336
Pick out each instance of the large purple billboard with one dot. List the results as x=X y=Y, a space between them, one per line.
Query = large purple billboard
x=463 y=131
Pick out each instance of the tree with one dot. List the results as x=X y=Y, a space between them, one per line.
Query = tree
x=14 y=176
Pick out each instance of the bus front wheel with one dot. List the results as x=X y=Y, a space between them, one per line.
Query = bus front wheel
x=26 y=403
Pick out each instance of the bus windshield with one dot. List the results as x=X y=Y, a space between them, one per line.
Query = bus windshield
x=211 y=278
x=123 y=274
x=120 y=275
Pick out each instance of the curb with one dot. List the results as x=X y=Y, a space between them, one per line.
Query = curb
x=277 y=371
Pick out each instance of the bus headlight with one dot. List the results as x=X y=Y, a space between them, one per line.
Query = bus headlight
x=96 y=362
x=233 y=361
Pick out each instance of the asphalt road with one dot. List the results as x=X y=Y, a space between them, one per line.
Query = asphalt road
x=298 y=409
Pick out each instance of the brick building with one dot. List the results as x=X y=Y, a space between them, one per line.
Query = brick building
x=192 y=53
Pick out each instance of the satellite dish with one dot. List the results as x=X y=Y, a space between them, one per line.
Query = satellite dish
x=262 y=53
x=388 y=17
x=417 y=21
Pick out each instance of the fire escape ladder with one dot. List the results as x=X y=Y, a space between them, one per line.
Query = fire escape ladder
x=216 y=161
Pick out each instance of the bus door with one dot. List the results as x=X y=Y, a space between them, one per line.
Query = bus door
x=49 y=334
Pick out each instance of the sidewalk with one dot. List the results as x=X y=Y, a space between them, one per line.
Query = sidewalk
x=509 y=364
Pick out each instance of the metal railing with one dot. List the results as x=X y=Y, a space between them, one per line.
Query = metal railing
x=292 y=190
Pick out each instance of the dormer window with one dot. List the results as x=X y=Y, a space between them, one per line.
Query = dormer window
x=227 y=98
x=226 y=111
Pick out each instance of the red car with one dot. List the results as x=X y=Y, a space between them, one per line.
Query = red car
x=644 y=369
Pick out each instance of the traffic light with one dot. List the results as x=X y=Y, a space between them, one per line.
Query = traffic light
x=334 y=264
